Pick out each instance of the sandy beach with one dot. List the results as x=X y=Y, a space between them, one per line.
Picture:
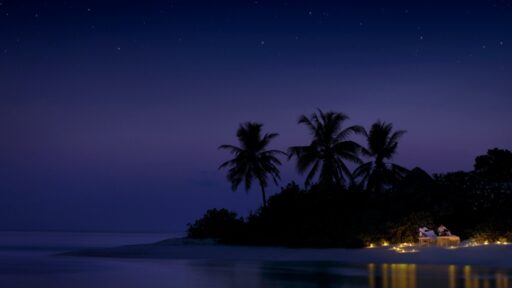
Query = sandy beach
x=490 y=255
x=30 y=260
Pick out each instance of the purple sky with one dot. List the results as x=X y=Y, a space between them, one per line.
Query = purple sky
x=111 y=115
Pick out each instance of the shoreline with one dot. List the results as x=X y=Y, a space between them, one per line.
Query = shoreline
x=186 y=249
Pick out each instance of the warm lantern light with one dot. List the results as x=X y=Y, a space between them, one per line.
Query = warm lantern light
x=398 y=249
x=404 y=248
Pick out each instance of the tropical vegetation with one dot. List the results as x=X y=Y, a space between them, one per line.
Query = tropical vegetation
x=329 y=149
x=252 y=161
x=356 y=194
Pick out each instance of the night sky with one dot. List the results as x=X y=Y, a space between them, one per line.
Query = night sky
x=111 y=113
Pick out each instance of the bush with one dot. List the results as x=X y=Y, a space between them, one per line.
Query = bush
x=222 y=225
x=406 y=230
x=302 y=218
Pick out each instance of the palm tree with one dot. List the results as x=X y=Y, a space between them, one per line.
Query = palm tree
x=382 y=146
x=251 y=159
x=328 y=150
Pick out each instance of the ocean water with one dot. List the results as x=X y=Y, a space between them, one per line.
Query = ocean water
x=29 y=259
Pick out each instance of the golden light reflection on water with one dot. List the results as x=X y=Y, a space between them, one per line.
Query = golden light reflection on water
x=452 y=276
x=385 y=277
x=501 y=280
x=405 y=276
x=467 y=276
x=371 y=275
x=392 y=276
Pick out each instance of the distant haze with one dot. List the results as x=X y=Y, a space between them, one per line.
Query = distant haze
x=111 y=115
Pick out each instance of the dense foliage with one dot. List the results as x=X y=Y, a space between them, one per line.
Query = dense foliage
x=380 y=201
x=219 y=224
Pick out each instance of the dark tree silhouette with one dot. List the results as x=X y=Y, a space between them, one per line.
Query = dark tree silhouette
x=251 y=159
x=382 y=145
x=328 y=150
x=495 y=166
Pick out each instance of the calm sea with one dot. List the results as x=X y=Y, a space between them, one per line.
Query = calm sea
x=27 y=259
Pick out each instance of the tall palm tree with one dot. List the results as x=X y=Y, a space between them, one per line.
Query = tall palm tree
x=330 y=147
x=251 y=159
x=382 y=145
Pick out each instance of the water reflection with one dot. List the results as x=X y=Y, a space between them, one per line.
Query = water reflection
x=407 y=276
x=392 y=276
x=35 y=267
x=332 y=274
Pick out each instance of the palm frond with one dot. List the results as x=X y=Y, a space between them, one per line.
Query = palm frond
x=396 y=136
x=311 y=174
x=329 y=147
x=251 y=159
x=355 y=129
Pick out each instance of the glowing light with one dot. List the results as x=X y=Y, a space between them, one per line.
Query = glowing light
x=371 y=245
x=471 y=243
x=401 y=250
x=405 y=244
x=474 y=243
x=385 y=244
x=404 y=248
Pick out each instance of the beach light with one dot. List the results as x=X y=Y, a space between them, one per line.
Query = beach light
x=371 y=245
x=385 y=243
x=404 y=248
x=472 y=243
x=406 y=244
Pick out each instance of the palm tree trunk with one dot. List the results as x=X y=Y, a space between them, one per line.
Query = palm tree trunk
x=380 y=167
x=264 y=196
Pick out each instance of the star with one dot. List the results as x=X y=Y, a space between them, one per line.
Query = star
x=262 y=42
x=421 y=37
x=88 y=9
x=118 y=48
x=484 y=46
x=310 y=13
x=501 y=43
